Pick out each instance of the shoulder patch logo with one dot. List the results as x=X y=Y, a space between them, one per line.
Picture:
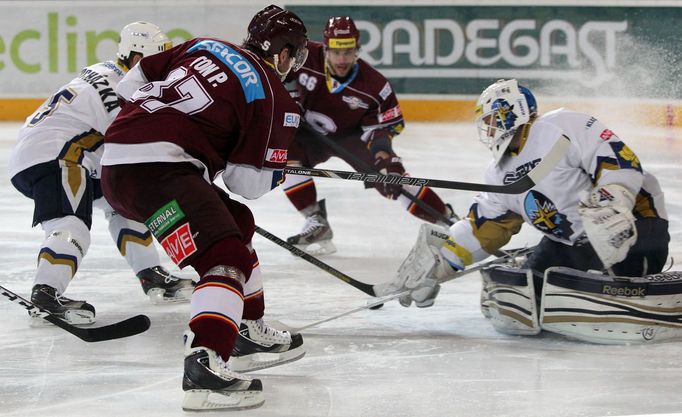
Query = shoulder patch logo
x=386 y=91
x=291 y=119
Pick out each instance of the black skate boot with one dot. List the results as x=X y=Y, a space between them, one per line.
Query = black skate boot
x=71 y=311
x=162 y=287
x=316 y=236
x=209 y=384
x=260 y=346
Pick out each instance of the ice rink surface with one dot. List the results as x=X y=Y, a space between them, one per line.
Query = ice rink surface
x=443 y=361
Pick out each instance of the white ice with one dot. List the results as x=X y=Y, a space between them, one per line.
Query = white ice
x=442 y=361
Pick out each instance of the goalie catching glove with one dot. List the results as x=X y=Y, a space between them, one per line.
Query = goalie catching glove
x=607 y=217
x=422 y=270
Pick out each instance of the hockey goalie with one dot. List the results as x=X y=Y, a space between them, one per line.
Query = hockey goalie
x=596 y=273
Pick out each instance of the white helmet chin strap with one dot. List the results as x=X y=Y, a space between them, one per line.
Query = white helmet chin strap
x=282 y=75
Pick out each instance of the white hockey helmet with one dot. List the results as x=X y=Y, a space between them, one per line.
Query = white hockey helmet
x=500 y=110
x=143 y=38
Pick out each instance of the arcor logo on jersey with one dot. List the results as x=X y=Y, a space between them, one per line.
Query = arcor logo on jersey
x=179 y=244
x=354 y=102
x=246 y=74
x=545 y=217
x=276 y=155
x=291 y=119
x=392 y=113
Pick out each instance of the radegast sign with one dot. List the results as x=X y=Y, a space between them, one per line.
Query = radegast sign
x=594 y=51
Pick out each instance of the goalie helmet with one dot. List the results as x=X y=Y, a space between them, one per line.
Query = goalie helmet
x=143 y=38
x=500 y=110
x=341 y=33
x=274 y=28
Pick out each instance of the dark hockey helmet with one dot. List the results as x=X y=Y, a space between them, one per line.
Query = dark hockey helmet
x=341 y=33
x=274 y=28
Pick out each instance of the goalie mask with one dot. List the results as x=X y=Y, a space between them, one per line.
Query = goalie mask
x=141 y=38
x=273 y=29
x=500 y=110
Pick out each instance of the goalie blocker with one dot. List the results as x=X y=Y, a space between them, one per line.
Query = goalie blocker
x=588 y=306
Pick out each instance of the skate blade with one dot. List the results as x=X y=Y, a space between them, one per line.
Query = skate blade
x=158 y=296
x=199 y=400
x=76 y=318
x=262 y=360
x=323 y=247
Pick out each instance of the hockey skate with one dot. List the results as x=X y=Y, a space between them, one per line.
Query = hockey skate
x=316 y=236
x=161 y=287
x=260 y=346
x=71 y=311
x=209 y=384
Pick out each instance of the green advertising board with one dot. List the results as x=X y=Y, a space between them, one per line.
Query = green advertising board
x=561 y=51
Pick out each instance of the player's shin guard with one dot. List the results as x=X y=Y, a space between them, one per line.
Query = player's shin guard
x=508 y=300
x=604 y=309
x=216 y=309
x=259 y=345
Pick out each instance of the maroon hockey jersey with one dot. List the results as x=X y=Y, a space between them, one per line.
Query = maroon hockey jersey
x=211 y=103
x=365 y=107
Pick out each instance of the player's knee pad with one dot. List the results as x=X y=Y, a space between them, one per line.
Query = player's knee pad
x=508 y=300
x=230 y=251
x=69 y=233
x=607 y=309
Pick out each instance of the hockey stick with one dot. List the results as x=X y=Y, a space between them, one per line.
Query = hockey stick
x=349 y=156
x=519 y=186
x=125 y=328
x=366 y=288
x=510 y=254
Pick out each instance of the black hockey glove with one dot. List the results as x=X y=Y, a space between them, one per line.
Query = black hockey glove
x=389 y=166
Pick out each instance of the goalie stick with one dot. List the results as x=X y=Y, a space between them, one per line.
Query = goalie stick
x=125 y=328
x=523 y=184
x=366 y=288
x=509 y=255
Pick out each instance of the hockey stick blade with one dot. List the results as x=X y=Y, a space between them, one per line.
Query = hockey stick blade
x=381 y=300
x=129 y=327
x=364 y=287
x=523 y=184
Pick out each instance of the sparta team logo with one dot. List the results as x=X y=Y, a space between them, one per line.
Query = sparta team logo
x=505 y=114
x=545 y=217
x=354 y=102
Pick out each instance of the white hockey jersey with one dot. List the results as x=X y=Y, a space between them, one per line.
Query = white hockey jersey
x=70 y=125
x=596 y=157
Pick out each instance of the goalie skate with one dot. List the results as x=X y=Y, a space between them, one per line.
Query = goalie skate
x=71 y=311
x=316 y=236
x=161 y=287
x=260 y=346
x=209 y=384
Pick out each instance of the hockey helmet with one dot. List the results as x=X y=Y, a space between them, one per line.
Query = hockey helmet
x=341 y=33
x=143 y=38
x=274 y=28
x=500 y=110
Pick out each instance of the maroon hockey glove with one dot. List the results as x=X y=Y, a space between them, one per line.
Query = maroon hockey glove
x=389 y=166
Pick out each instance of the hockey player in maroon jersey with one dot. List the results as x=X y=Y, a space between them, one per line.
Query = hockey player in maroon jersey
x=210 y=108
x=348 y=101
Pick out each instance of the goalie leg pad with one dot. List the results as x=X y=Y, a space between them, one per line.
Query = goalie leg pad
x=605 y=309
x=508 y=300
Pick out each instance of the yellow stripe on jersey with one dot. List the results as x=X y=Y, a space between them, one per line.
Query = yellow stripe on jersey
x=495 y=233
x=75 y=148
x=459 y=251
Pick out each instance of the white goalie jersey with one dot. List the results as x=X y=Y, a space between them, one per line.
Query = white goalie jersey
x=596 y=157
x=70 y=125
